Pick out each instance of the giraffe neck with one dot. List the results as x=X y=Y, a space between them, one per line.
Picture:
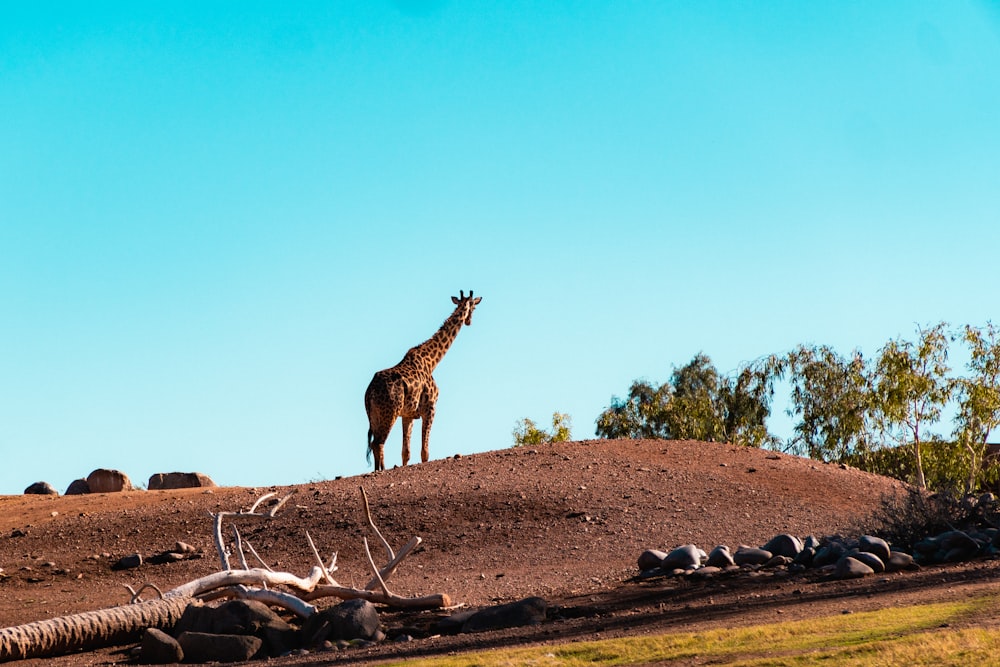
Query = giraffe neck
x=430 y=353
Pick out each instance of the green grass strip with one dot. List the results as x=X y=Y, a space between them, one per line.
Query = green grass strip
x=913 y=635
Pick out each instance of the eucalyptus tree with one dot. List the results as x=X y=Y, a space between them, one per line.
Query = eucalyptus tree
x=911 y=386
x=978 y=396
x=832 y=397
x=696 y=403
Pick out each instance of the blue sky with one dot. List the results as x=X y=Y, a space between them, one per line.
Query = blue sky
x=219 y=219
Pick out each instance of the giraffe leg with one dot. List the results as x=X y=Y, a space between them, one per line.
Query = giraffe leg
x=427 y=409
x=425 y=434
x=407 y=431
x=377 y=435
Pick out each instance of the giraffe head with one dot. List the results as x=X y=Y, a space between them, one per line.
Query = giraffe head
x=468 y=303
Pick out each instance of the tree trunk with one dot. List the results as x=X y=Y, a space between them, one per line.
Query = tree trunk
x=89 y=630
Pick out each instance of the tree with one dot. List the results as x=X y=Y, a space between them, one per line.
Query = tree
x=527 y=432
x=978 y=396
x=832 y=397
x=911 y=387
x=697 y=403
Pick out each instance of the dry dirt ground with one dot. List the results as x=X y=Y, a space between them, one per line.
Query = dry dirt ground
x=565 y=522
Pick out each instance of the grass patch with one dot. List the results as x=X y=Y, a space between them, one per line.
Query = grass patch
x=914 y=635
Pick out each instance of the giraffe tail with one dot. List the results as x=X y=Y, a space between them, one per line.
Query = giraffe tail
x=371 y=437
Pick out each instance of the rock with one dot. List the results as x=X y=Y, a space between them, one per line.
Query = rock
x=776 y=561
x=529 y=611
x=956 y=545
x=650 y=559
x=706 y=572
x=805 y=557
x=851 y=568
x=900 y=561
x=249 y=617
x=243 y=617
x=181 y=551
x=184 y=548
x=128 y=562
x=159 y=648
x=41 y=489
x=452 y=625
x=351 y=619
x=784 y=545
x=78 y=487
x=178 y=480
x=103 y=480
x=687 y=557
x=875 y=545
x=829 y=554
x=811 y=542
x=870 y=559
x=720 y=557
x=205 y=647
x=751 y=556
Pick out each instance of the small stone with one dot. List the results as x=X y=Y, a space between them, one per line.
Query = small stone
x=128 y=562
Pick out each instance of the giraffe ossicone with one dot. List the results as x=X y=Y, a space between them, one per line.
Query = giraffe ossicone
x=408 y=391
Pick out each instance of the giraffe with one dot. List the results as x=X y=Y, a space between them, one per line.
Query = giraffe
x=408 y=390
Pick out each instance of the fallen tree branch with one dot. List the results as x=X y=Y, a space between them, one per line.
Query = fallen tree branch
x=257 y=576
x=292 y=603
x=433 y=601
x=89 y=630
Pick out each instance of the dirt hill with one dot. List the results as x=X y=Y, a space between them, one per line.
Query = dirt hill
x=565 y=522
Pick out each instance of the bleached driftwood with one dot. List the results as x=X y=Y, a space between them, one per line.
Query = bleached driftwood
x=119 y=625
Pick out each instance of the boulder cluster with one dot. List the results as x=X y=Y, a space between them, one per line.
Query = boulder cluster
x=241 y=630
x=104 y=480
x=840 y=558
x=836 y=557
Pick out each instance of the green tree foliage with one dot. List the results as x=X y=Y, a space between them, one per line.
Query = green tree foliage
x=911 y=388
x=978 y=397
x=696 y=403
x=527 y=432
x=831 y=396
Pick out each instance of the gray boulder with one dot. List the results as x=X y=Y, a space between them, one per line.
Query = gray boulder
x=206 y=647
x=875 y=545
x=851 y=568
x=784 y=545
x=686 y=557
x=829 y=553
x=529 y=611
x=78 y=487
x=899 y=561
x=41 y=489
x=720 y=557
x=178 y=480
x=650 y=559
x=104 y=480
x=159 y=648
x=751 y=556
x=870 y=559
x=351 y=619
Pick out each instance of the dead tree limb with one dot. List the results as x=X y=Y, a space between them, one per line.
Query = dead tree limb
x=89 y=630
x=120 y=625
